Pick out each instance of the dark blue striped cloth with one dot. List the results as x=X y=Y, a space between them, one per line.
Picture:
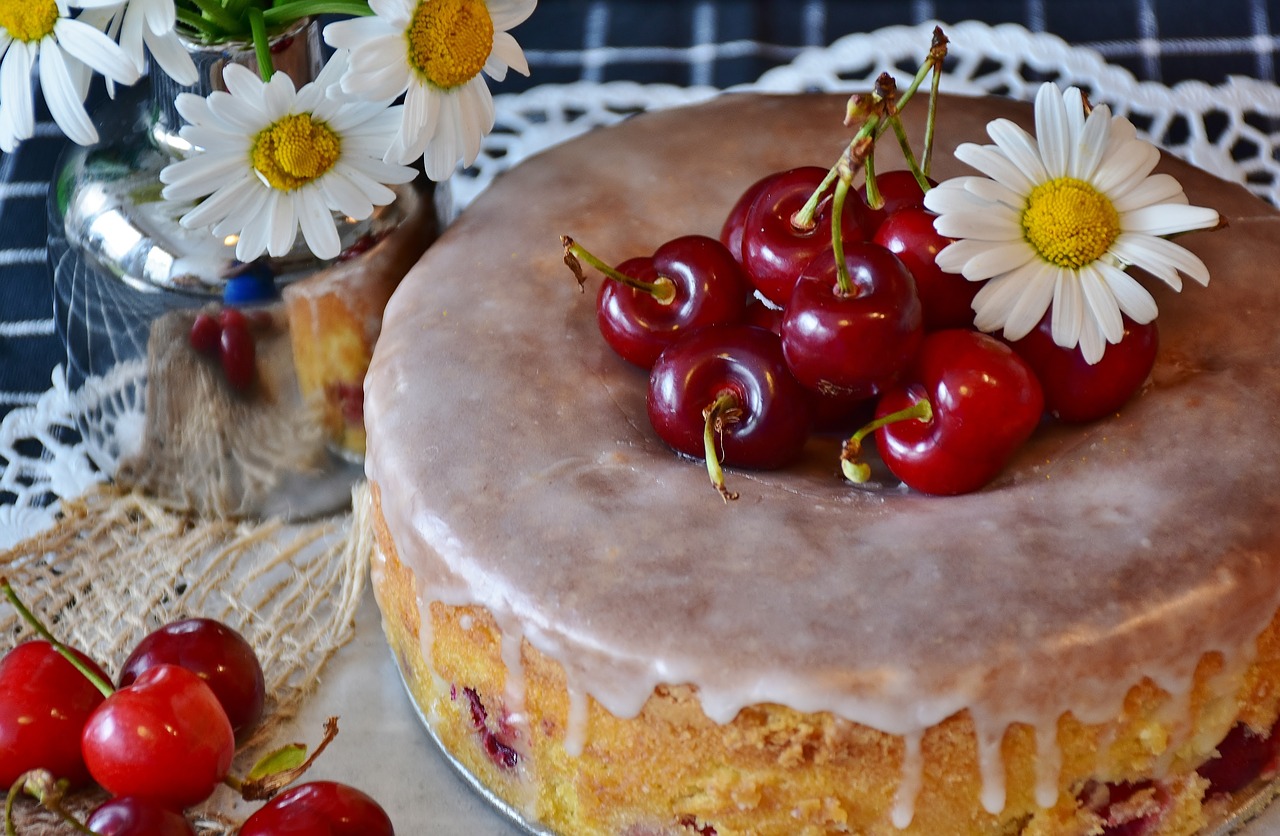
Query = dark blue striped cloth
x=685 y=43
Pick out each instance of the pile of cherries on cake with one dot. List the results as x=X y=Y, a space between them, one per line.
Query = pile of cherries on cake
x=789 y=324
x=161 y=740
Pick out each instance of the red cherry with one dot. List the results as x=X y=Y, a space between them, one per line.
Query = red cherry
x=237 y=351
x=852 y=345
x=647 y=303
x=1076 y=391
x=774 y=249
x=899 y=190
x=164 y=739
x=215 y=653
x=129 y=816
x=319 y=808
x=44 y=703
x=732 y=229
x=1243 y=757
x=985 y=401
x=205 y=334
x=945 y=298
x=765 y=316
x=735 y=374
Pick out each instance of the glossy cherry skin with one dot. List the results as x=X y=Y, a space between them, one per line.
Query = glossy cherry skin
x=735 y=223
x=129 y=816
x=710 y=288
x=319 y=808
x=164 y=739
x=986 y=403
x=774 y=251
x=746 y=361
x=237 y=353
x=946 y=299
x=215 y=653
x=852 y=346
x=1077 y=392
x=44 y=703
x=1243 y=757
x=899 y=190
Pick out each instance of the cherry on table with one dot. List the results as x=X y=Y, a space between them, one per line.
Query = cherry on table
x=1076 y=391
x=44 y=703
x=129 y=816
x=775 y=249
x=946 y=299
x=852 y=345
x=212 y=651
x=735 y=222
x=985 y=403
x=726 y=388
x=164 y=738
x=646 y=303
x=319 y=808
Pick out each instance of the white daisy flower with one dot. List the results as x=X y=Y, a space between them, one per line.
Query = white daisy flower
x=271 y=160
x=143 y=26
x=1057 y=220
x=43 y=32
x=434 y=51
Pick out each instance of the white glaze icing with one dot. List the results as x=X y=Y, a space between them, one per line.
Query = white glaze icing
x=517 y=472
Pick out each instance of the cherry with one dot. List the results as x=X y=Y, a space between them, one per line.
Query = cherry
x=236 y=350
x=1074 y=390
x=319 y=808
x=129 y=816
x=728 y=386
x=206 y=333
x=852 y=343
x=945 y=298
x=44 y=703
x=775 y=247
x=645 y=304
x=734 y=225
x=164 y=739
x=984 y=402
x=1243 y=756
x=765 y=316
x=899 y=190
x=500 y=752
x=215 y=653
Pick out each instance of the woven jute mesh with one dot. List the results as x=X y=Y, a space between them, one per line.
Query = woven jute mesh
x=118 y=565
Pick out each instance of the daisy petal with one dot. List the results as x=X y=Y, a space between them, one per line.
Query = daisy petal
x=1052 y=129
x=1134 y=300
x=1088 y=151
x=996 y=259
x=1032 y=302
x=1161 y=258
x=992 y=162
x=318 y=229
x=1020 y=147
x=1158 y=188
x=1101 y=303
x=992 y=226
x=1068 y=311
x=17 y=100
x=65 y=106
x=1168 y=219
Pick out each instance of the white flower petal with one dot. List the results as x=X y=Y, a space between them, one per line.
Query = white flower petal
x=1033 y=301
x=65 y=105
x=283 y=219
x=506 y=54
x=997 y=259
x=1168 y=219
x=992 y=162
x=1101 y=303
x=17 y=100
x=318 y=229
x=1134 y=300
x=1161 y=258
x=1068 y=310
x=1092 y=343
x=342 y=194
x=92 y=47
x=1020 y=147
x=507 y=14
x=174 y=58
x=992 y=226
x=1158 y=188
x=1052 y=129
x=1130 y=163
x=995 y=300
x=1088 y=151
x=238 y=198
x=992 y=192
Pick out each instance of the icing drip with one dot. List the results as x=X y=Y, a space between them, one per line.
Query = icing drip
x=904 y=801
x=991 y=766
x=575 y=733
x=1048 y=764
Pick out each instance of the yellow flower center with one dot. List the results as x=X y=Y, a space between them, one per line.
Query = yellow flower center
x=450 y=40
x=1069 y=222
x=28 y=20
x=295 y=151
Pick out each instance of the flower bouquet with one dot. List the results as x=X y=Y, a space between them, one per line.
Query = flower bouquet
x=251 y=154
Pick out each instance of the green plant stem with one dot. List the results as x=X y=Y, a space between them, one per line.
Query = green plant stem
x=837 y=236
x=212 y=11
x=663 y=290
x=43 y=632
x=857 y=471
x=261 y=44
x=725 y=403
x=285 y=13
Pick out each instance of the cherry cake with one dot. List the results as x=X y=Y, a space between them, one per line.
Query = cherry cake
x=1088 y=644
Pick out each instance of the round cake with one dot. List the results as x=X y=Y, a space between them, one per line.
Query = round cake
x=610 y=648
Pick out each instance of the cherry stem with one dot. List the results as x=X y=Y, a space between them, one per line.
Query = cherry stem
x=937 y=54
x=859 y=472
x=663 y=290
x=723 y=409
x=42 y=631
x=49 y=791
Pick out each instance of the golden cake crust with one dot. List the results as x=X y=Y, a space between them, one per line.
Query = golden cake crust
x=942 y=640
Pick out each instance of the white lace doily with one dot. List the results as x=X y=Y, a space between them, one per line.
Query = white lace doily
x=1229 y=130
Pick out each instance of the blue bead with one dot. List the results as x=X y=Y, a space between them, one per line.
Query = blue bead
x=253 y=285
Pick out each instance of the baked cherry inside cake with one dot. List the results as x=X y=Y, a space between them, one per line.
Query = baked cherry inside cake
x=610 y=648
